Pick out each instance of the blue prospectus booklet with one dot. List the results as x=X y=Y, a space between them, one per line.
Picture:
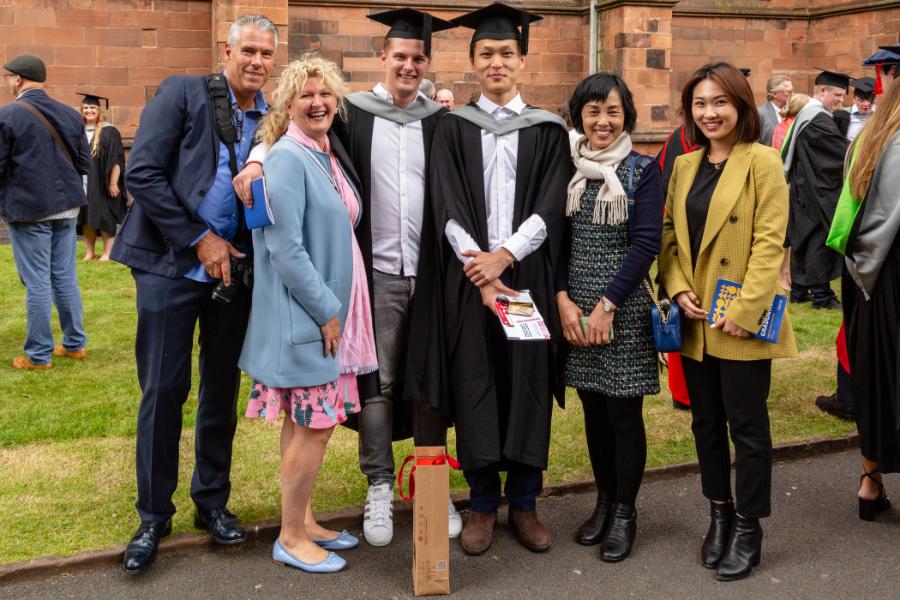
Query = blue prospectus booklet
x=727 y=291
x=261 y=213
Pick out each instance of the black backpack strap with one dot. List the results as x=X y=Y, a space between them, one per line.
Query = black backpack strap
x=224 y=116
x=224 y=122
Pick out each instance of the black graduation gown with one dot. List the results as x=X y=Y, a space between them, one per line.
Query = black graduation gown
x=103 y=212
x=675 y=145
x=842 y=120
x=500 y=392
x=815 y=179
x=419 y=377
x=873 y=348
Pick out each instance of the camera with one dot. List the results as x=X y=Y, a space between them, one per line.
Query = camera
x=241 y=276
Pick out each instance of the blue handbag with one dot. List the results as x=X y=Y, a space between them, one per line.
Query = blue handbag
x=665 y=316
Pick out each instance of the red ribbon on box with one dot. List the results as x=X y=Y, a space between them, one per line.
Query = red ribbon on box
x=427 y=460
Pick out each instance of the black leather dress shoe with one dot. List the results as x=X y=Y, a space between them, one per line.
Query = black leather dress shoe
x=721 y=516
x=222 y=524
x=592 y=531
x=833 y=406
x=619 y=538
x=141 y=550
x=743 y=551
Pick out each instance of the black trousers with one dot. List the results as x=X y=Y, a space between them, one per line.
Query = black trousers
x=168 y=312
x=617 y=444
x=730 y=395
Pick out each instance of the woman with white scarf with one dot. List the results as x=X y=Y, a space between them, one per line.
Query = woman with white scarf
x=614 y=228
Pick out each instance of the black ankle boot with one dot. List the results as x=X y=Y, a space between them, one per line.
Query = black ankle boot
x=592 y=531
x=743 y=551
x=721 y=516
x=619 y=537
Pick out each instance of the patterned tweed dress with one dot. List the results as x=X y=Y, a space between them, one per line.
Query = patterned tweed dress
x=627 y=367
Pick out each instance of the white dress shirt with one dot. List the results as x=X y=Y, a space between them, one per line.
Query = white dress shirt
x=857 y=121
x=397 y=194
x=777 y=111
x=499 y=154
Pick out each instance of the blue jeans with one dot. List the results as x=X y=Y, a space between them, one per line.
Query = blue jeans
x=45 y=260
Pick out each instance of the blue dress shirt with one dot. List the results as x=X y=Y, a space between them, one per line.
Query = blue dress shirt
x=219 y=208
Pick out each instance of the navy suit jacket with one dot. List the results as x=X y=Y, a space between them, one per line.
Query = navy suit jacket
x=36 y=178
x=171 y=168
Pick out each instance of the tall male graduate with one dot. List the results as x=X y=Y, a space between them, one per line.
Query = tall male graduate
x=387 y=132
x=499 y=171
x=813 y=154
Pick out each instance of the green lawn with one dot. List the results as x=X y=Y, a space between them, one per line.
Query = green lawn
x=67 y=446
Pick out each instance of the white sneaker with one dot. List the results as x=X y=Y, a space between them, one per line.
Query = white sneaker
x=378 y=519
x=455 y=521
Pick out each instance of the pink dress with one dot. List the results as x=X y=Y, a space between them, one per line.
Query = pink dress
x=324 y=406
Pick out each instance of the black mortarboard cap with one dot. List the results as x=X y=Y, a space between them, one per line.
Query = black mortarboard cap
x=411 y=24
x=499 y=22
x=839 y=80
x=93 y=99
x=864 y=87
x=745 y=71
x=29 y=67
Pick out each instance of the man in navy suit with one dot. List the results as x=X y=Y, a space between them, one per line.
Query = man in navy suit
x=40 y=193
x=179 y=238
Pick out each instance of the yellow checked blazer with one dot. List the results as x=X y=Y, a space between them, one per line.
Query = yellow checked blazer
x=743 y=242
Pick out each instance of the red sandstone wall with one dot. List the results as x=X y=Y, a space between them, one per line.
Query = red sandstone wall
x=840 y=43
x=121 y=49
x=557 y=60
x=765 y=46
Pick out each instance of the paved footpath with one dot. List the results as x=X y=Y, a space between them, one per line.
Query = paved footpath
x=814 y=547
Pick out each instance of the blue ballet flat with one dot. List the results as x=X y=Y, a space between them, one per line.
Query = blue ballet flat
x=332 y=563
x=344 y=541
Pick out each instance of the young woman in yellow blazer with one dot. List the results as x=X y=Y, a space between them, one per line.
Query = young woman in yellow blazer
x=726 y=216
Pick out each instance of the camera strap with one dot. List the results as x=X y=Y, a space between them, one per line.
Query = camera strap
x=227 y=132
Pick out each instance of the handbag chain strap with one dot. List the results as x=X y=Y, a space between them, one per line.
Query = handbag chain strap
x=661 y=305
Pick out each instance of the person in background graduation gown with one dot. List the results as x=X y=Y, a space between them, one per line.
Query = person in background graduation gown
x=387 y=133
x=850 y=121
x=675 y=145
x=813 y=155
x=841 y=403
x=871 y=288
x=499 y=171
x=106 y=182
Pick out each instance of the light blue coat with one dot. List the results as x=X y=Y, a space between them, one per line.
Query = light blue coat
x=302 y=270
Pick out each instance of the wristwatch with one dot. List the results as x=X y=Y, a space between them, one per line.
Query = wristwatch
x=607 y=305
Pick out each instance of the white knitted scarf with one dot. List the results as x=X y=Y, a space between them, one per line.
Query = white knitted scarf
x=611 y=207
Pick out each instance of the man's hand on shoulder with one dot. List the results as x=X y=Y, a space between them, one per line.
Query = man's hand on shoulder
x=215 y=254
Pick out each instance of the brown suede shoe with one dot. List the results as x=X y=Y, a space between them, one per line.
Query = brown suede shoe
x=533 y=534
x=73 y=354
x=23 y=362
x=478 y=533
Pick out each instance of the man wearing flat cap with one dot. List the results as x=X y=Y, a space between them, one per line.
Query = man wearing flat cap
x=813 y=154
x=43 y=154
